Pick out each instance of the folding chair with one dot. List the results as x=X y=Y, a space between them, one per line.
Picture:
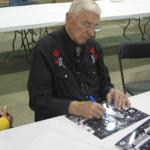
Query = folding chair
x=134 y=51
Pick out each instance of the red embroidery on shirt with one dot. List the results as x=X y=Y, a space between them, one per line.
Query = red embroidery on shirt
x=92 y=51
x=93 y=55
x=58 y=60
x=56 y=53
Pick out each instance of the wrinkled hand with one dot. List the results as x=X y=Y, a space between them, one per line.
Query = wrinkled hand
x=119 y=99
x=4 y=112
x=86 y=109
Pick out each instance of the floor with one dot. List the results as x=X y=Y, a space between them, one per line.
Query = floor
x=14 y=69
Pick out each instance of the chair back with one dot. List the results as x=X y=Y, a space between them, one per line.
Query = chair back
x=132 y=50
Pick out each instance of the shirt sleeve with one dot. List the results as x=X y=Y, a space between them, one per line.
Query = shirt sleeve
x=40 y=85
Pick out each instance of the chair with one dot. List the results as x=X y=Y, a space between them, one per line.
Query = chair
x=134 y=51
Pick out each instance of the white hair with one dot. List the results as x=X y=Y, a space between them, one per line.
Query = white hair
x=90 y=5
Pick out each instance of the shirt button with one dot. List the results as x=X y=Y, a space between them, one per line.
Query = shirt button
x=66 y=76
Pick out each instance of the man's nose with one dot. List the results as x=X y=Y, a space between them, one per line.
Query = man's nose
x=91 y=32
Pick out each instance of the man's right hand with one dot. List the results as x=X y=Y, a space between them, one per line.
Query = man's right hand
x=86 y=109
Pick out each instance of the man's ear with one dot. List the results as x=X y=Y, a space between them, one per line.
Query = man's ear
x=68 y=19
x=68 y=16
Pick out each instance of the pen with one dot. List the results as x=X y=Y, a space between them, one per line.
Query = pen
x=91 y=98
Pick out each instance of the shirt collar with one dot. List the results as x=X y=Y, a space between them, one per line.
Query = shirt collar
x=69 y=43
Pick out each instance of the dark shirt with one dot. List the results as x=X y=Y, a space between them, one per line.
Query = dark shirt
x=61 y=73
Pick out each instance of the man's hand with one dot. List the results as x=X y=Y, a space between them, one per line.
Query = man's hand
x=4 y=112
x=119 y=99
x=86 y=109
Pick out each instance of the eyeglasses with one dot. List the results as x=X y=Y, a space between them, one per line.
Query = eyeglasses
x=89 y=26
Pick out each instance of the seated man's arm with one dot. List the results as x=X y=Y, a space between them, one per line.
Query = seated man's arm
x=41 y=86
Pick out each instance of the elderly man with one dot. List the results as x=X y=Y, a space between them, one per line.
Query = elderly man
x=68 y=74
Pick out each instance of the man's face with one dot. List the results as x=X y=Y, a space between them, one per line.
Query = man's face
x=81 y=27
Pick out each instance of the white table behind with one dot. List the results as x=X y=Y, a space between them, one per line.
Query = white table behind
x=46 y=15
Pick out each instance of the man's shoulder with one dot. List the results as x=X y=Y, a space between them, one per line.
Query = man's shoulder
x=48 y=43
x=50 y=38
